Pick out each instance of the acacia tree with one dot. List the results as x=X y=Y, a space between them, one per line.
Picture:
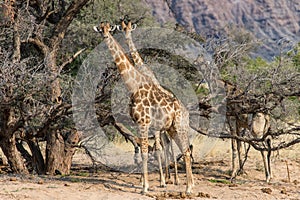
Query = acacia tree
x=34 y=105
x=254 y=84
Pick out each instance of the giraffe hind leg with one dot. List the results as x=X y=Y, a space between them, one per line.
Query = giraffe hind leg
x=158 y=151
x=182 y=141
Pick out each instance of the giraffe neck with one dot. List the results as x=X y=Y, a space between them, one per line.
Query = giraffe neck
x=138 y=61
x=143 y=68
x=133 y=51
x=132 y=77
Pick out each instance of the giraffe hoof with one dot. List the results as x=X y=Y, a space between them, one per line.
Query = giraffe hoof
x=143 y=192
x=232 y=180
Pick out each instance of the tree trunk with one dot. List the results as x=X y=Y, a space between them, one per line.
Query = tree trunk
x=14 y=158
x=8 y=142
x=38 y=162
x=59 y=152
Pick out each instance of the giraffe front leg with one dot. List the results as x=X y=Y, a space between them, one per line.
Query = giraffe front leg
x=144 y=150
x=189 y=174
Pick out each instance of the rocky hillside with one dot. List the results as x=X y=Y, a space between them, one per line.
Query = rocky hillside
x=268 y=20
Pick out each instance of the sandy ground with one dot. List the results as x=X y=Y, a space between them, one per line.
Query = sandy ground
x=211 y=181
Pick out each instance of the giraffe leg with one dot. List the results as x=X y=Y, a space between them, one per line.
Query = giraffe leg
x=144 y=150
x=182 y=141
x=233 y=159
x=158 y=150
x=267 y=165
x=175 y=164
x=269 y=177
x=189 y=175
x=239 y=153
x=165 y=145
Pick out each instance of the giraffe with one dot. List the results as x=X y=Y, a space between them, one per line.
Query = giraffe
x=151 y=108
x=163 y=141
x=257 y=124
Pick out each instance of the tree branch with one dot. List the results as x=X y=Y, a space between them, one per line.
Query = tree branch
x=62 y=26
x=71 y=59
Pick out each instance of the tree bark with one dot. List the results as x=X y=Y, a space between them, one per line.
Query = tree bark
x=60 y=152
x=8 y=141
x=14 y=158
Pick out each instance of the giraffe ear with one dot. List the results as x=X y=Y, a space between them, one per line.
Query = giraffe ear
x=133 y=27
x=119 y=28
x=97 y=29
x=112 y=28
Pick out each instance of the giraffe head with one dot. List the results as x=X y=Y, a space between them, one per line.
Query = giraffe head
x=104 y=28
x=126 y=26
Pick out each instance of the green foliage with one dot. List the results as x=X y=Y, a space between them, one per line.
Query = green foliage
x=202 y=90
x=256 y=64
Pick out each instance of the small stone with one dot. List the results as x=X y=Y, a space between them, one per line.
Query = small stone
x=13 y=179
x=203 y=195
x=266 y=190
x=40 y=182
x=283 y=191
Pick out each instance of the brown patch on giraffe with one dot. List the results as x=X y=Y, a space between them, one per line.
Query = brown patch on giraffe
x=122 y=56
x=176 y=105
x=147 y=119
x=122 y=66
x=144 y=145
x=139 y=107
x=144 y=93
x=146 y=102
x=134 y=57
x=136 y=116
x=163 y=103
x=147 y=109
x=147 y=86
x=117 y=60
x=158 y=96
x=151 y=97
x=168 y=108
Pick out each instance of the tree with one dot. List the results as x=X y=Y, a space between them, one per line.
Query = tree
x=41 y=46
x=33 y=107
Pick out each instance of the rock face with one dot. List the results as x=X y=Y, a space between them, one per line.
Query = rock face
x=269 y=20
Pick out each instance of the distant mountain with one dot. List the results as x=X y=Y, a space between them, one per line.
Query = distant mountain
x=268 y=20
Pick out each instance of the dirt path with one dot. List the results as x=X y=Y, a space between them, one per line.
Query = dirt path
x=211 y=182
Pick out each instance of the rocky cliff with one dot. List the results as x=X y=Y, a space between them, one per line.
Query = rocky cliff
x=268 y=20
